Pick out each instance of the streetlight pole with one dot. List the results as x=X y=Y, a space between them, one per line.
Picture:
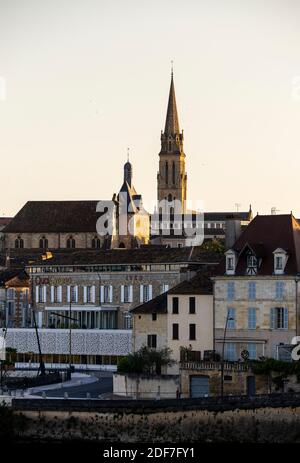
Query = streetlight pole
x=70 y=330
x=223 y=350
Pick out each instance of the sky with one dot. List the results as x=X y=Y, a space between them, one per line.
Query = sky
x=80 y=81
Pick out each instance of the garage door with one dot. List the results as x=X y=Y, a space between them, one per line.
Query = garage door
x=199 y=386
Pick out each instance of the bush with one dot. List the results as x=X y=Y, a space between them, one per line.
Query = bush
x=146 y=360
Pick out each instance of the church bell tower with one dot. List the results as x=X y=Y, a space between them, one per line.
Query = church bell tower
x=172 y=177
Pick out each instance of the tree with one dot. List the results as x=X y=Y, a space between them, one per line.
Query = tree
x=146 y=361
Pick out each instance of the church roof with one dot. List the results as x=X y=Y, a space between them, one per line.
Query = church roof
x=172 y=122
x=55 y=217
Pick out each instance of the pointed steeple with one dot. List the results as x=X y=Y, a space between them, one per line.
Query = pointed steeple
x=172 y=123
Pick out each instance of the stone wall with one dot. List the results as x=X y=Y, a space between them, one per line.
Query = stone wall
x=145 y=387
x=184 y=424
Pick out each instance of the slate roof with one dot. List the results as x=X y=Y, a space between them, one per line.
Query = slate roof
x=144 y=255
x=157 y=305
x=55 y=217
x=264 y=235
x=199 y=284
x=7 y=275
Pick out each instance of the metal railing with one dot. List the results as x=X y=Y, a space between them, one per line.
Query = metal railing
x=228 y=366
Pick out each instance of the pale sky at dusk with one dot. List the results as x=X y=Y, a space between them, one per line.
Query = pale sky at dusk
x=87 y=79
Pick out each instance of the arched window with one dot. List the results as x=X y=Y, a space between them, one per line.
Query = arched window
x=170 y=198
x=170 y=146
x=96 y=243
x=122 y=246
x=173 y=173
x=71 y=242
x=43 y=243
x=19 y=243
x=167 y=172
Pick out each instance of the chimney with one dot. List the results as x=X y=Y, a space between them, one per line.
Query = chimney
x=233 y=231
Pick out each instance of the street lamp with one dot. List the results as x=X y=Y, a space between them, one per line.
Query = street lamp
x=70 y=331
x=223 y=349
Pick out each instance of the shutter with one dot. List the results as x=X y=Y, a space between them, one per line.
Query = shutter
x=40 y=319
x=122 y=293
x=93 y=289
x=286 y=318
x=272 y=318
x=52 y=294
x=150 y=292
x=101 y=294
x=141 y=293
x=59 y=293
x=76 y=293
x=130 y=293
x=84 y=294
x=110 y=293
x=68 y=293
x=45 y=293
x=37 y=294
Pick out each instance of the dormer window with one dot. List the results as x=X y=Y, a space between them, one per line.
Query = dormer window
x=280 y=260
x=251 y=264
x=230 y=262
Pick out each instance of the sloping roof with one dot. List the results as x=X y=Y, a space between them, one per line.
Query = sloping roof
x=157 y=305
x=223 y=216
x=172 y=122
x=142 y=255
x=199 y=284
x=265 y=234
x=5 y=221
x=55 y=217
x=9 y=274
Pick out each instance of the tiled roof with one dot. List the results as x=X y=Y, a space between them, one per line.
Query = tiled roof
x=55 y=217
x=142 y=255
x=8 y=275
x=223 y=216
x=157 y=305
x=264 y=235
x=199 y=284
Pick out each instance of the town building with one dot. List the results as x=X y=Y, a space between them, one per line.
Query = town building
x=97 y=289
x=172 y=224
x=256 y=290
x=73 y=224
x=180 y=319
x=4 y=221
x=14 y=298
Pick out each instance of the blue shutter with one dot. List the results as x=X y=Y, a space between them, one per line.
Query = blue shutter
x=272 y=318
x=285 y=318
x=251 y=318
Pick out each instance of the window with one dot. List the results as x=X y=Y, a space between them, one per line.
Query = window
x=165 y=288
x=175 y=329
x=175 y=305
x=251 y=318
x=173 y=173
x=279 y=289
x=152 y=343
x=41 y=294
x=154 y=317
x=127 y=321
x=126 y=293
x=230 y=291
x=251 y=290
x=106 y=293
x=279 y=318
x=231 y=319
x=192 y=305
x=278 y=263
x=43 y=243
x=192 y=331
x=71 y=242
x=19 y=243
x=96 y=243
x=56 y=294
x=230 y=263
x=90 y=294
x=167 y=172
x=251 y=261
x=251 y=348
x=230 y=351
x=146 y=293
x=73 y=294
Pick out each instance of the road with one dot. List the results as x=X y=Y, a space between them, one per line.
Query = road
x=103 y=385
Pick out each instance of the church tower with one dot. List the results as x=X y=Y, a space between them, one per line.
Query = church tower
x=172 y=178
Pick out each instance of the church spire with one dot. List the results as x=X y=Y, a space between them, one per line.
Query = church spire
x=172 y=123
